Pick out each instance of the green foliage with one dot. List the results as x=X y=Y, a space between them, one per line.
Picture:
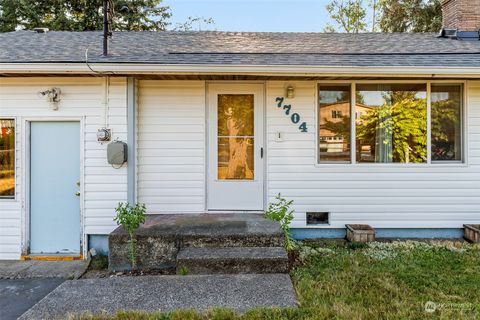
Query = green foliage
x=349 y=16
x=183 y=271
x=212 y=314
x=82 y=15
x=130 y=218
x=397 y=130
x=280 y=211
x=410 y=15
x=195 y=23
x=356 y=245
x=99 y=263
x=385 y=279
x=352 y=16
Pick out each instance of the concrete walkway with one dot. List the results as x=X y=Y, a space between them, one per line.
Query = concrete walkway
x=19 y=295
x=165 y=293
x=24 y=283
x=13 y=269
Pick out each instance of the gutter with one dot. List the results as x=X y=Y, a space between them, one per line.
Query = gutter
x=214 y=69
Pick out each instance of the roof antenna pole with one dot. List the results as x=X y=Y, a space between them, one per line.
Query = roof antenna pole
x=105 y=28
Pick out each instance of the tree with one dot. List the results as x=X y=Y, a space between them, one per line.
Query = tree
x=386 y=15
x=397 y=130
x=189 y=25
x=410 y=15
x=82 y=15
x=349 y=16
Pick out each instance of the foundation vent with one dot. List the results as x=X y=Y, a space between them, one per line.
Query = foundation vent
x=318 y=218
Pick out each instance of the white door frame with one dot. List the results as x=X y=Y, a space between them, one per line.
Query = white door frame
x=25 y=147
x=208 y=156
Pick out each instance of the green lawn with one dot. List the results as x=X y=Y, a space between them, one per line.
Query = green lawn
x=375 y=281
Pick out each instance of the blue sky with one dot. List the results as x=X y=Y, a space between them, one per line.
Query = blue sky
x=254 y=15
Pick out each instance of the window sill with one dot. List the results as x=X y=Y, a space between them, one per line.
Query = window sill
x=4 y=199
x=391 y=165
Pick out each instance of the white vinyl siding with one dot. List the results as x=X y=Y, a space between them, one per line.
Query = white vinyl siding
x=390 y=196
x=171 y=159
x=171 y=146
x=81 y=99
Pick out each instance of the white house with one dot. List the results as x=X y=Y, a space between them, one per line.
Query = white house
x=224 y=121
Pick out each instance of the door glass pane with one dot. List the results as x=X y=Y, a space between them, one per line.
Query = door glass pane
x=235 y=137
x=446 y=122
x=7 y=158
x=391 y=123
x=235 y=159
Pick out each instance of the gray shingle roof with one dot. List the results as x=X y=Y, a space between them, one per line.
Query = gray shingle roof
x=239 y=48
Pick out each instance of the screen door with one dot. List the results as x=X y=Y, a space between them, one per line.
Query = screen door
x=235 y=177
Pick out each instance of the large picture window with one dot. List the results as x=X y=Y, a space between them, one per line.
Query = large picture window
x=7 y=158
x=391 y=123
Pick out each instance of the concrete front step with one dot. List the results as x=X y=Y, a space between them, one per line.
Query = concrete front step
x=233 y=260
x=161 y=237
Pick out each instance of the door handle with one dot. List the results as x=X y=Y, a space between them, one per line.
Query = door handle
x=78 y=192
x=261 y=152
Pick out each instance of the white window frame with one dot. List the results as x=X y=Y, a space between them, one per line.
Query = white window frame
x=429 y=163
x=15 y=137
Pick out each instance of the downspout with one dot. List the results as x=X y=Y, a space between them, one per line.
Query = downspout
x=131 y=133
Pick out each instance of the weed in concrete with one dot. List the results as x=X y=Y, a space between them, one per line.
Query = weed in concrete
x=183 y=271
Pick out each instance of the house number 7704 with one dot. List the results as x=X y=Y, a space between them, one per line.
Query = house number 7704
x=294 y=117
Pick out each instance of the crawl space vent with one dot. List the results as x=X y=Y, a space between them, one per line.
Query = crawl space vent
x=315 y=218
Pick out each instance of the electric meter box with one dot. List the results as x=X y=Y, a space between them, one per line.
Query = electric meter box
x=117 y=153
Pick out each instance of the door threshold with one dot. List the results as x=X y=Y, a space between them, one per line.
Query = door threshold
x=234 y=211
x=52 y=257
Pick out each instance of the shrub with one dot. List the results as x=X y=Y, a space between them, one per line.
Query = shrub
x=130 y=218
x=280 y=211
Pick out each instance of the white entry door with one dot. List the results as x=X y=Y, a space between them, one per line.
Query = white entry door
x=235 y=152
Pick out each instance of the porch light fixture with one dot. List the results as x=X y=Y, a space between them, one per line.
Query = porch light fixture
x=53 y=96
x=290 y=92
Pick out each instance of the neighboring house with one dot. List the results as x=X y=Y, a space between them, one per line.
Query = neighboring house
x=224 y=121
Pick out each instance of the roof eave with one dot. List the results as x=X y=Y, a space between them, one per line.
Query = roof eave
x=214 y=69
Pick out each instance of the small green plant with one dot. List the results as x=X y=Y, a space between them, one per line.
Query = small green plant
x=280 y=211
x=130 y=218
x=184 y=271
x=99 y=262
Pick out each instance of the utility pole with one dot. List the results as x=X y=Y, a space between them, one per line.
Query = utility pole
x=106 y=32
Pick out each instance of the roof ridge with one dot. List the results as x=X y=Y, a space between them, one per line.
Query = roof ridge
x=231 y=32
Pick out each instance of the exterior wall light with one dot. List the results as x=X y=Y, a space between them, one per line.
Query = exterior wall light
x=290 y=92
x=53 y=96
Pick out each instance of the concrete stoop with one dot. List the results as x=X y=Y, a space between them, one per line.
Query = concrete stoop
x=232 y=260
x=203 y=244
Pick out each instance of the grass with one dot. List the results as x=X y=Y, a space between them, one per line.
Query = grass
x=375 y=281
x=391 y=280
